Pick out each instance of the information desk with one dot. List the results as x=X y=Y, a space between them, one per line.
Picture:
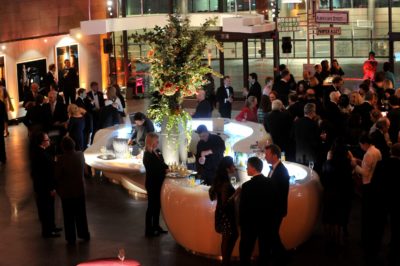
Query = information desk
x=189 y=213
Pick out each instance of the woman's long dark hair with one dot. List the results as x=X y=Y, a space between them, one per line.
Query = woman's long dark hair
x=221 y=176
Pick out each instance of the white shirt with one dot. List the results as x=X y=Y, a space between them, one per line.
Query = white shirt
x=117 y=102
x=96 y=100
x=371 y=157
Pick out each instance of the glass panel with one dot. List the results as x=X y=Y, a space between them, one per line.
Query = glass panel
x=343 y=48
x=381 y=48
x=363 y=48
x=397 y=63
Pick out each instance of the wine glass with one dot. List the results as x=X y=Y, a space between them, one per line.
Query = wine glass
x=311 y=166
x=233 y=181
x=121 y=254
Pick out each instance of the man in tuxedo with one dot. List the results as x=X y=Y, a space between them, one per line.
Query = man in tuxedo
x=225 y=98
x=257 y=214
x=280 y=178
x=333 y=114
x=255 y=88
x=69 y=82
x=50 y=78
x=283 y=87
x=96 y=102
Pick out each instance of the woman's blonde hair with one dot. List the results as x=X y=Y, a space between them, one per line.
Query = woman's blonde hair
x=111 y=93
x=250 y=100
x=356 y=98
x=149 y=142
x=73 y=109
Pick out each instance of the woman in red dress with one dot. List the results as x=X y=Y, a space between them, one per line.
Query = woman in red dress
x=249 y=112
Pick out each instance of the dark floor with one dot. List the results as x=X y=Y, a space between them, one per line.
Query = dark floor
x=115 y=221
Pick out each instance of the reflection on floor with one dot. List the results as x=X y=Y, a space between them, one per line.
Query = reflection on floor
x=116 y=221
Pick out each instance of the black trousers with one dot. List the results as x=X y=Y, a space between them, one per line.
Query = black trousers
x=247 y=242
x=278 y=249
x=75 y=220
x=3 y=157
x=69 y=95
x=153 y=207
x=225 y=110
x=45 y=205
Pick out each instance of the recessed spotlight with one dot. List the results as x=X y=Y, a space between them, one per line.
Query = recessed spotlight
x=3 y=47
x=109 y=8
x=78 y=36
x=45 y=40
x=109 y=3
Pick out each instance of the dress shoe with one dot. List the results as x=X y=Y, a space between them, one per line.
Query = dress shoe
x=51 y=235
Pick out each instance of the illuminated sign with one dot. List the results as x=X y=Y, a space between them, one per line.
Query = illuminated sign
x=332 y=17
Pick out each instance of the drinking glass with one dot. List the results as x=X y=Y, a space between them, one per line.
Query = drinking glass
x=233 y=181
x=121 y=254
x=311 y=166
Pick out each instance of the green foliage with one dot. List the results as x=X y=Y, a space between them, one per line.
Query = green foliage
x=177 y=69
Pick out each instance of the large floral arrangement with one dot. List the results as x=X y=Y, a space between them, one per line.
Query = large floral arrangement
x=177 y=70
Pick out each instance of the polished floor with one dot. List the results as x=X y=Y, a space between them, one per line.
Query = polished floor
x=116 y=221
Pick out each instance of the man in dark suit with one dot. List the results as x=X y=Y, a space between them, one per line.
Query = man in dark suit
x=210 y=151
x=279 y=124
x=292 y=81
x=394 y=117
x=55 y=113
x=96 y=102
x=280 y=178
x=255 y=88
x=30 y=96
x=307 y=136
x=257 y=214
x=49 y=79
x=378 y=136
x=337 y=84
x=69 y=82
x=203 y=109
x=333 y=114
x=283 y=87
x=225 y=98
x=364 y=110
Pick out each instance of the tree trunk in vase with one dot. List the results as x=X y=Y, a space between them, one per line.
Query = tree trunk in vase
x=173 y=145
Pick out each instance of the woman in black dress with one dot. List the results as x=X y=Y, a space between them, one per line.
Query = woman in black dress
x=223 y=191
x=338 y=191
x=76 y=125
x=155 y=175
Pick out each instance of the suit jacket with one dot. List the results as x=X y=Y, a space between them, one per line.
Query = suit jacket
x=280 y=178
x=203 y=110
x=59 y=115
x=69 y=175
x=224 y=106
x=256 y=91
x=307 y=138
x=326 y=92
x=394 y=117
x=258 y=207
x=364 y=110
x=222 y=95
x=155 y=170
x=335 y=117
x=283 y=89
x=69 y=79
x=101 y=99
x=42 y=171
x=279 y=125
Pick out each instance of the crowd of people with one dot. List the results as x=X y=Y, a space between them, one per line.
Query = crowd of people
x=351 y=139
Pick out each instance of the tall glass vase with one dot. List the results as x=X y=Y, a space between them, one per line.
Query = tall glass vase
x=173 y=144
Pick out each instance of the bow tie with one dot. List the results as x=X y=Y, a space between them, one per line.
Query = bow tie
x=94 y=94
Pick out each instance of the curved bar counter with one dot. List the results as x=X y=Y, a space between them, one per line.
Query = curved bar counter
x=187 y=209
x=189 y=213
